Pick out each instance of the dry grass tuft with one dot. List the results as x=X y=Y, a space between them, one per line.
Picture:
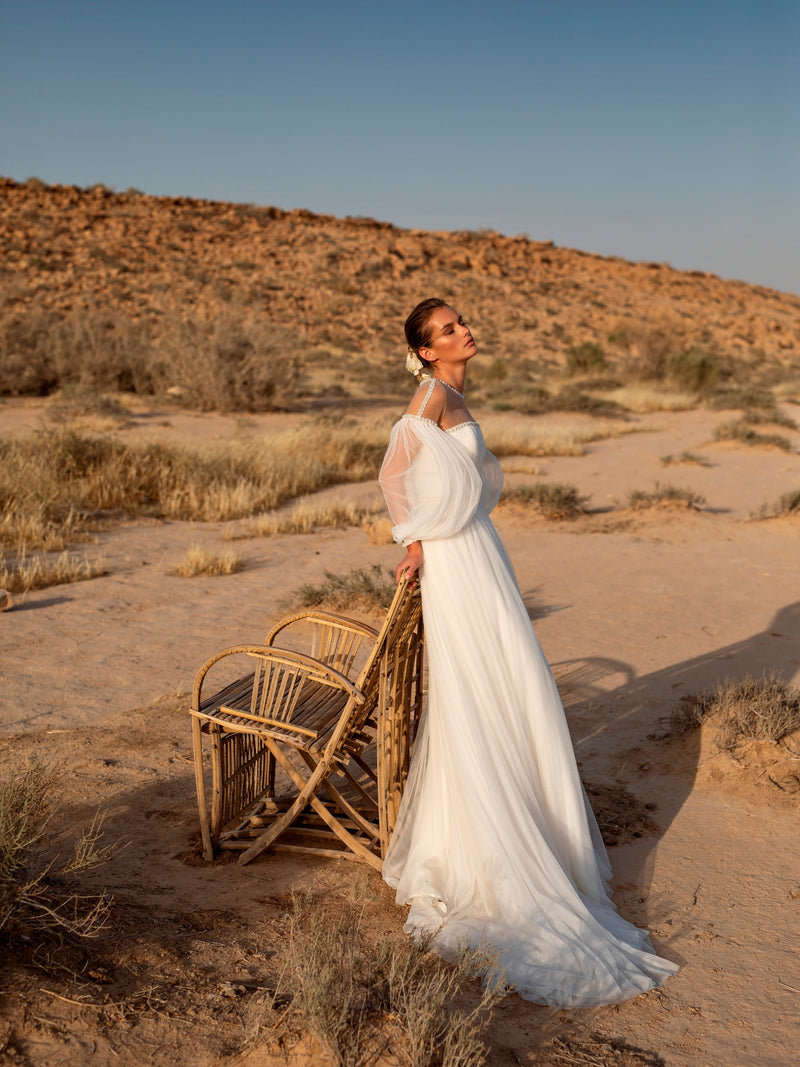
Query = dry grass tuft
x=199 y=562
x=685 y=457
x=643 y=399
x=786 y=504
x=359 y=999
x=38 y=892
x=665 y=496
x=27 y=574
x=532 y=438
x=554 y=500
x=306 y=517
x=764 y=709
x=368 y=589
x=741 y=430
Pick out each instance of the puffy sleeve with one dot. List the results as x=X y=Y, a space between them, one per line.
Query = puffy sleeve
x=492 y=474
x=432 y=486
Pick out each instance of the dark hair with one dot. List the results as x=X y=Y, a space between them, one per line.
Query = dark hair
x=417 y=326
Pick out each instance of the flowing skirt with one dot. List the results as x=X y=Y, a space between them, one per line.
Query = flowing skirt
x=496 y=845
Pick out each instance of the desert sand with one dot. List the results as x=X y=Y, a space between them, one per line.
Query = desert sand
x=633 y=609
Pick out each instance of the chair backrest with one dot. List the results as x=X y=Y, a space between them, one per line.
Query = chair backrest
x=342 y=643
x=395 y=659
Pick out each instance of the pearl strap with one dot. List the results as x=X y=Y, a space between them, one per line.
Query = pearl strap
x=449 y=386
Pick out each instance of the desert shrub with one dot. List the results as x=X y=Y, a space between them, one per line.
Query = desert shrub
x=650 y=345
x=42 y=350
x=740 y=430
x=686 y=456
x=765 y=709
x=786 y=504
x=585 y=358
x=357 y=999
x=39 y=891
x=368 y=588
x=80 y=401
x=232 y=363
x=554 y=500
x=743 y=397
x=693 y=369
x=670 y=495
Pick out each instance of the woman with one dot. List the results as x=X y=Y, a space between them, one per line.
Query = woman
x=495 y=843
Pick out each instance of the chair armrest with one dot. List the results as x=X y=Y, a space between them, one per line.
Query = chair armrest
x=296 y=660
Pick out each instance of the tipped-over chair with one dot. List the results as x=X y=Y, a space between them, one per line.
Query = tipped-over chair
x=341 y=745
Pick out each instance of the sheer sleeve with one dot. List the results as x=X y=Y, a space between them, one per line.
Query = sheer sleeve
x=492 y=474
x=431 y=485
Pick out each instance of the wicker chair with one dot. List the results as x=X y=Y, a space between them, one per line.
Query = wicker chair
x=343 y=743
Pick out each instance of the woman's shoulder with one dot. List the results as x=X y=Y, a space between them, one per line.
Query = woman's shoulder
x=429 y=401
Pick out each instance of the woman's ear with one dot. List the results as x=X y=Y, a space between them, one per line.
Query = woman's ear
x=427 y=354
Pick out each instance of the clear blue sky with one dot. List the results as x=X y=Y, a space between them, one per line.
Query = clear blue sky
x=661 y=130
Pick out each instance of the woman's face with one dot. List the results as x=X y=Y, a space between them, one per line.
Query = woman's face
x=451 y=340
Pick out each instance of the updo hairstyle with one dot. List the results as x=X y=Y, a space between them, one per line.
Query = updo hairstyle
x=418 y=333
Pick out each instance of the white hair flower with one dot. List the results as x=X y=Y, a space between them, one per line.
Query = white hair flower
x=415 y=366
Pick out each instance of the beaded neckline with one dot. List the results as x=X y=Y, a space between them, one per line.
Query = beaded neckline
x=449 y=386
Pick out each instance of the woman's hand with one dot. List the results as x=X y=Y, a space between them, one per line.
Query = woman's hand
x=410 y=564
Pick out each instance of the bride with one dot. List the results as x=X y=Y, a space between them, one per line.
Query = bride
x=495 y=844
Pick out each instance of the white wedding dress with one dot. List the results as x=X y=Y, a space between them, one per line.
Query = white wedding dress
x=496 y=845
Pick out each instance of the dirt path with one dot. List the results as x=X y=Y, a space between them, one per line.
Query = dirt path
x=633 y=612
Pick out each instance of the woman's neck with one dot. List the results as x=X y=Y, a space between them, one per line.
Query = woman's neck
x=456 y=378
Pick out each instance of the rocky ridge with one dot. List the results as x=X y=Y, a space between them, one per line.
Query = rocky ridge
x=345 y=284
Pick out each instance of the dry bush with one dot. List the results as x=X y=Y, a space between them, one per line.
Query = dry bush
x=786 y=504
x=26 y=574
x=554 y=500
x=82 y=402
x=764 y=709
x=669 y=495
x=42 y=351
x=38 y=890
x=233 y=361
x=685 y=457
x=358 y=999
x=587 y=357
x=693 y=369
x=368 y=589
x=741 y=430
x=198 y=562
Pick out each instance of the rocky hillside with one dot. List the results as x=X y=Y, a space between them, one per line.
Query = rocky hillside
x=339 y=288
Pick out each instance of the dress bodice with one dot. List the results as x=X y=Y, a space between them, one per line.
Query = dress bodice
x=470 y=436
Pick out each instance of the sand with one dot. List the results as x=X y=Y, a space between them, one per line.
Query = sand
x=634 y=610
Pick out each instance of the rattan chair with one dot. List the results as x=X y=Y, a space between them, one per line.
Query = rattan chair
x=302 y=756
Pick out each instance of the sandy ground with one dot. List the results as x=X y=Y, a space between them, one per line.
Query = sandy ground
x=633 y=610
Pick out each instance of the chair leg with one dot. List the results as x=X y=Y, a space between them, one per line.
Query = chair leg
x=200 y=783
x=306 y=792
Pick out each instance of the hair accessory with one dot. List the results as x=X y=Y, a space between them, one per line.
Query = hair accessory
x=413 y=363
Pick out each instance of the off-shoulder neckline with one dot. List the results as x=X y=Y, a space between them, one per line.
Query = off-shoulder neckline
x=424 y=418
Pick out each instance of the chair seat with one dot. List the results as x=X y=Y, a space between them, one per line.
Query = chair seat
x=314 y=720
